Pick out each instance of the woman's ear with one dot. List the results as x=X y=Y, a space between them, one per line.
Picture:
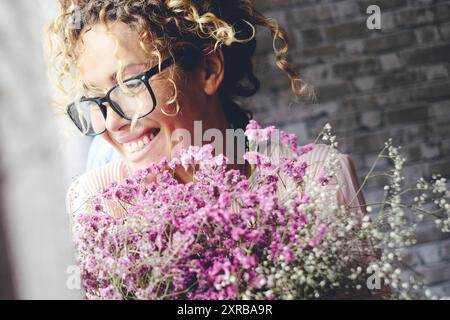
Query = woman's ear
x=212 y=71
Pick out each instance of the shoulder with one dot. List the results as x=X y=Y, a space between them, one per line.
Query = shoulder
x=345 y=173
x=315 y=158
x=322 y=153
x=346 y=176
x=91 y=183
x=97 y=179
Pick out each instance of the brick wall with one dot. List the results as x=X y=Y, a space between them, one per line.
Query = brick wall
x=371 y=85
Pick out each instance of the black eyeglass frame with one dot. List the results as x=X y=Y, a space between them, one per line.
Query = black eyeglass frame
x=100 y=101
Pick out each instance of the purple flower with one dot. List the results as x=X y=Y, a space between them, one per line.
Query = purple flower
x=204 y=239
x=324 y=178
x=320 y=233
x=255 y=133
x=236 y=233
x=289 y=139
x=306 y=148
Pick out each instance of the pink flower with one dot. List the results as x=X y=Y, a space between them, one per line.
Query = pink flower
x=257 y=159
x=188 y=157
x=110 y=293
x=305 y=199
x=289 y=139
x=224 y=201
x=294 y=169
x=253 y=125
x=288 y=255
x=253 y=157
x=175 y=162
x=204 y=239
x=255 y=133
x=306 y=148
x=324 y=178
x=247 y=261
x=320 y=231
x=237 y=233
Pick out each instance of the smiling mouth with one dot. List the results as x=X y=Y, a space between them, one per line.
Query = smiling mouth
x=139 y=144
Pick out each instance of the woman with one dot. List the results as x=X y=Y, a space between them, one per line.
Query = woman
x=144 y=69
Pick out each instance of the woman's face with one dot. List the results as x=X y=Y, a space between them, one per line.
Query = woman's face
x=150 y=139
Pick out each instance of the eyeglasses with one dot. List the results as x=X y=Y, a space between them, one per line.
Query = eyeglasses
x=134 y=99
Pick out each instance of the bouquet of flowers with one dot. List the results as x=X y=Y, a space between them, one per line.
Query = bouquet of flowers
x=279 y=234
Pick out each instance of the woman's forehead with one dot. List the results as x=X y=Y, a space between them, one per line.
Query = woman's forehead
x=103 y=52
x=115 y=43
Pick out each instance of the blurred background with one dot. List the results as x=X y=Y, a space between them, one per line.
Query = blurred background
x=371 y=85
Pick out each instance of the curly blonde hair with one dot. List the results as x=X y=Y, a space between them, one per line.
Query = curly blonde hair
x=190 y=27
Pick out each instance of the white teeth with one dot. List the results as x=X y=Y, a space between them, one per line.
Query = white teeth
x=136 y=146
